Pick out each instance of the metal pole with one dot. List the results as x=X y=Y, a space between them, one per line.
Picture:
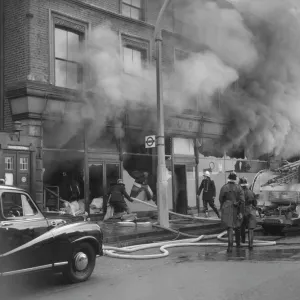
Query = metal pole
x=162 y=184
x=197 y=174
x=86 y=172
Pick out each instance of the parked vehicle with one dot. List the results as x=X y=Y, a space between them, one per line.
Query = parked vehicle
x=33 y=241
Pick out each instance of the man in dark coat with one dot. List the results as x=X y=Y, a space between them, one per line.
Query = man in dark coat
x=209 y=193
x=117 y=193
x=231 y=200
x=249 y=219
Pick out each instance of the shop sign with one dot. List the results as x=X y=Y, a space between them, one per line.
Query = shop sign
x=150 y=141
x=22 y=148
x=182 y=124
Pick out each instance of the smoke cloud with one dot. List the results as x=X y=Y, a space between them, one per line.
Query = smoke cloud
x=256 y=43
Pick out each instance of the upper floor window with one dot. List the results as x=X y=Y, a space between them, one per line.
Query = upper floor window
x=133 y=59
x=133 y=9
x=181 y=55
x=67 y=67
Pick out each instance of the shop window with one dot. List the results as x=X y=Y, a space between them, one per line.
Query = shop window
x=24 y=163
x=133 y=9
x=67 y=67
x=9 y=163
x=17 y=205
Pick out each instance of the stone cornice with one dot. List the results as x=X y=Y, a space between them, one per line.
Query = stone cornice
x=42 y=90
x=111 y=13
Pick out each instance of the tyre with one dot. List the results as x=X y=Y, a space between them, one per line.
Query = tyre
x=81 y=264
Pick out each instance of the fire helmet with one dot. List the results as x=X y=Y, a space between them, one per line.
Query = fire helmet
x=232 y=176
x=206 y=173
x=243 y=181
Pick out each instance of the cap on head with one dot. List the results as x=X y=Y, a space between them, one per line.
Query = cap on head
x=243 y=181
x=232 y=176
x=206 y=173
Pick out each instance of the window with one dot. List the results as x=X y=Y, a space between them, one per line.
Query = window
x=181 y=55
x=9 y=163
x=17 y=205
x=67 y=67
x=133 y=59
x=23 y=163
x=133 y=9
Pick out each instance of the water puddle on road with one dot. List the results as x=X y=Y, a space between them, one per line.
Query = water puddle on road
x=242 y=254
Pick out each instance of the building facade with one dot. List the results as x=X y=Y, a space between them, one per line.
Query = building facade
x=54 y=146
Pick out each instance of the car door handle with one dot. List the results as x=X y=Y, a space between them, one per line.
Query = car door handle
x=5 y=224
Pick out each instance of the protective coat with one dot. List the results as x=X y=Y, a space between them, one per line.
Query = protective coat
x=250 y=212
x=231 y=200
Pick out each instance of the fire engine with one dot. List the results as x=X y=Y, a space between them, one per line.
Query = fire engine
x=279 y=198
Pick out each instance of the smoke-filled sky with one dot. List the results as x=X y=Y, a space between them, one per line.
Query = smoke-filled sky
x=257 y=43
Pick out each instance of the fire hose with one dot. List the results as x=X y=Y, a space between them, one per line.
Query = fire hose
x=124 y=252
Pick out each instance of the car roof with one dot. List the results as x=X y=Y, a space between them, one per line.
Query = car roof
x=11 y=188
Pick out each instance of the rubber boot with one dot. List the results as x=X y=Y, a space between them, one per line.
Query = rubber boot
x=216 y=211
x=230 y=240
x=250 y=237
x=237 y=237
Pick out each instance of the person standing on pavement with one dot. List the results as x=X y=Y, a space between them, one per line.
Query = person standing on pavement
x=231 y=200
x=249 y=219
x=209 y=193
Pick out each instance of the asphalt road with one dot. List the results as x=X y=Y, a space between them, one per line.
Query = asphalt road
x=188 y=273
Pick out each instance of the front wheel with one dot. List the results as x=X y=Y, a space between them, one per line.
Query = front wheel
x=81 y=264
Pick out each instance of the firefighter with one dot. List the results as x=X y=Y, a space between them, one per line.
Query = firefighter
x=117 y=193
x=209 y=193
x=249 y=219
x=231 y=200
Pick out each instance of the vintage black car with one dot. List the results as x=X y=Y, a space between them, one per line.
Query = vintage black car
x=34 y=241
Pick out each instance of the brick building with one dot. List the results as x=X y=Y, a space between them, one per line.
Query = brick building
x=34 y=93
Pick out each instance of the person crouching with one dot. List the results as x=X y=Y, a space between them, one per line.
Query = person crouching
x=116 y=197
x=249 y=219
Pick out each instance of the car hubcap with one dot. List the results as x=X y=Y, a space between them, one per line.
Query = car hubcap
x=81 y=261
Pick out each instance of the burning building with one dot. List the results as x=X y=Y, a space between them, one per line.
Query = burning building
x=80 y=77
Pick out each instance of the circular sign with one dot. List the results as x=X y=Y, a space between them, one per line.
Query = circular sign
x=150 y=141
x=23 y=179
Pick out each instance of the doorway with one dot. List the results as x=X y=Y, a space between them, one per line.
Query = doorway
x=181 y=200
x=102 y=176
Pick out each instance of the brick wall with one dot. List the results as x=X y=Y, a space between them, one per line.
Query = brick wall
x=16 y=48
x=39 y=28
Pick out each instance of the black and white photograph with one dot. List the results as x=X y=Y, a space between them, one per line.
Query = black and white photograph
x=149 y=149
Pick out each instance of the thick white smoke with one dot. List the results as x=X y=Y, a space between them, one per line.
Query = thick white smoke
x=256 y=43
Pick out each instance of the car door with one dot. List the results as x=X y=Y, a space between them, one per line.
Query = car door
x=26 y=244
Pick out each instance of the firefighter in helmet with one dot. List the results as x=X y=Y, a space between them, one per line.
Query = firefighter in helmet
x=249 y=218
x=231 y=201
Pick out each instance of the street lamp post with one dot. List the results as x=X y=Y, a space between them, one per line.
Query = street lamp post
x=163 y=215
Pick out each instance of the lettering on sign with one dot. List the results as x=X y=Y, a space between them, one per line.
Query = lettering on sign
x=182 y=125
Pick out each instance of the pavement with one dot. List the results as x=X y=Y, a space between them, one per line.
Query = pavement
x=120 y=236
x=189 y=273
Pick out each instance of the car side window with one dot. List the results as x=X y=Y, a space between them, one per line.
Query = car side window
x=16 y=205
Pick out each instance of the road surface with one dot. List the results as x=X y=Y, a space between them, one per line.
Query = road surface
x=188 y=273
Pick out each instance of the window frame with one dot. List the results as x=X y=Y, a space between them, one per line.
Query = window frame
x=136 y=43
x=12 y=163
x=66 y=22
x=37 y=216
x=142 y=9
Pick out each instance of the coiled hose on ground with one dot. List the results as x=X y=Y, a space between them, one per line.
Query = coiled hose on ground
x=163 y=246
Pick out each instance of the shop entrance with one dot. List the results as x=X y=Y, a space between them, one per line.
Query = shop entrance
x=180 y=189
x=17 y=169
x=102 y=176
